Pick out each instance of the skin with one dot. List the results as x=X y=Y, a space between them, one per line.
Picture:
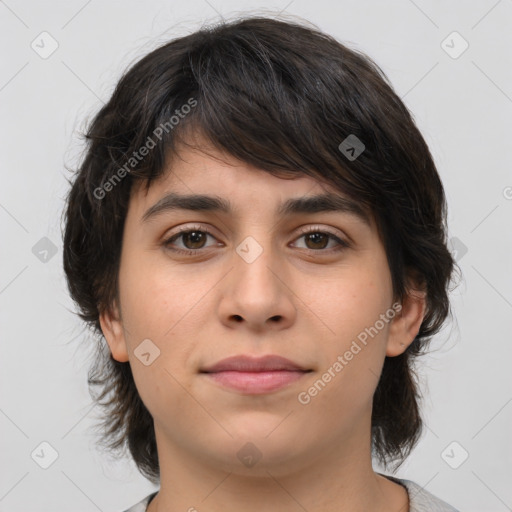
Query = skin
x=305 y=305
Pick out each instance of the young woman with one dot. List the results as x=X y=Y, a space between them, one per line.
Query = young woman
x=258 y=232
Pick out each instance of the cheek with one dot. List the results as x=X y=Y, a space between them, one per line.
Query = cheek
x=348 y=308
x=352 y=352
x=162 y=306
x=158 y=299
x=348 y=302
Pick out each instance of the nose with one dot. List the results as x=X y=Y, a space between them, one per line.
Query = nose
x=257 y=294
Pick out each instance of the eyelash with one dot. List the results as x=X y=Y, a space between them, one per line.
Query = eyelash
x=342 y=244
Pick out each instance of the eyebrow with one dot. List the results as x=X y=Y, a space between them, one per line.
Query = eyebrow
x=307 y=204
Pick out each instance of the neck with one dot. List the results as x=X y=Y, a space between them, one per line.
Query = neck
x=332 y=480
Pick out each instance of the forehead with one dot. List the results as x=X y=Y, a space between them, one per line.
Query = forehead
x=203 y=178
x=205 y=168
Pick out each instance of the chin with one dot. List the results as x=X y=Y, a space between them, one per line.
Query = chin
x=256 y=458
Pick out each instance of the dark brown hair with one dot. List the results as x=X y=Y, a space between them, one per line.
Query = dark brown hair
x=280 y=96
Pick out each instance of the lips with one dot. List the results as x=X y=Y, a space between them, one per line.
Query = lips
x=254 y=364
x=252 y=376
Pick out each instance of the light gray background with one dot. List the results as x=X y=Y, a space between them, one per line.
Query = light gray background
x=462 y=105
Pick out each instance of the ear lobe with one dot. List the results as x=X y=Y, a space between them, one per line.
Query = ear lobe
x=406 y=324
x=112 y=328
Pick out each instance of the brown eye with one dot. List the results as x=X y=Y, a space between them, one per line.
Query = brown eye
x=320 y=241
x=194 y=239
x=317 y=240
x=189 y=241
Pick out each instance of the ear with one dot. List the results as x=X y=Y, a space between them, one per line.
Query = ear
x=112 y=327
x=406 y=324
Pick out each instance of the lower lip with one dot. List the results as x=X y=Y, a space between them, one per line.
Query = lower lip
x=256 y=382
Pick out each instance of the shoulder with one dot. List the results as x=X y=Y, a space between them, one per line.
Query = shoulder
x=142 y=505
x=421 y=500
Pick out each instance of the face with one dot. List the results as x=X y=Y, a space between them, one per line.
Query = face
x=200 y=285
